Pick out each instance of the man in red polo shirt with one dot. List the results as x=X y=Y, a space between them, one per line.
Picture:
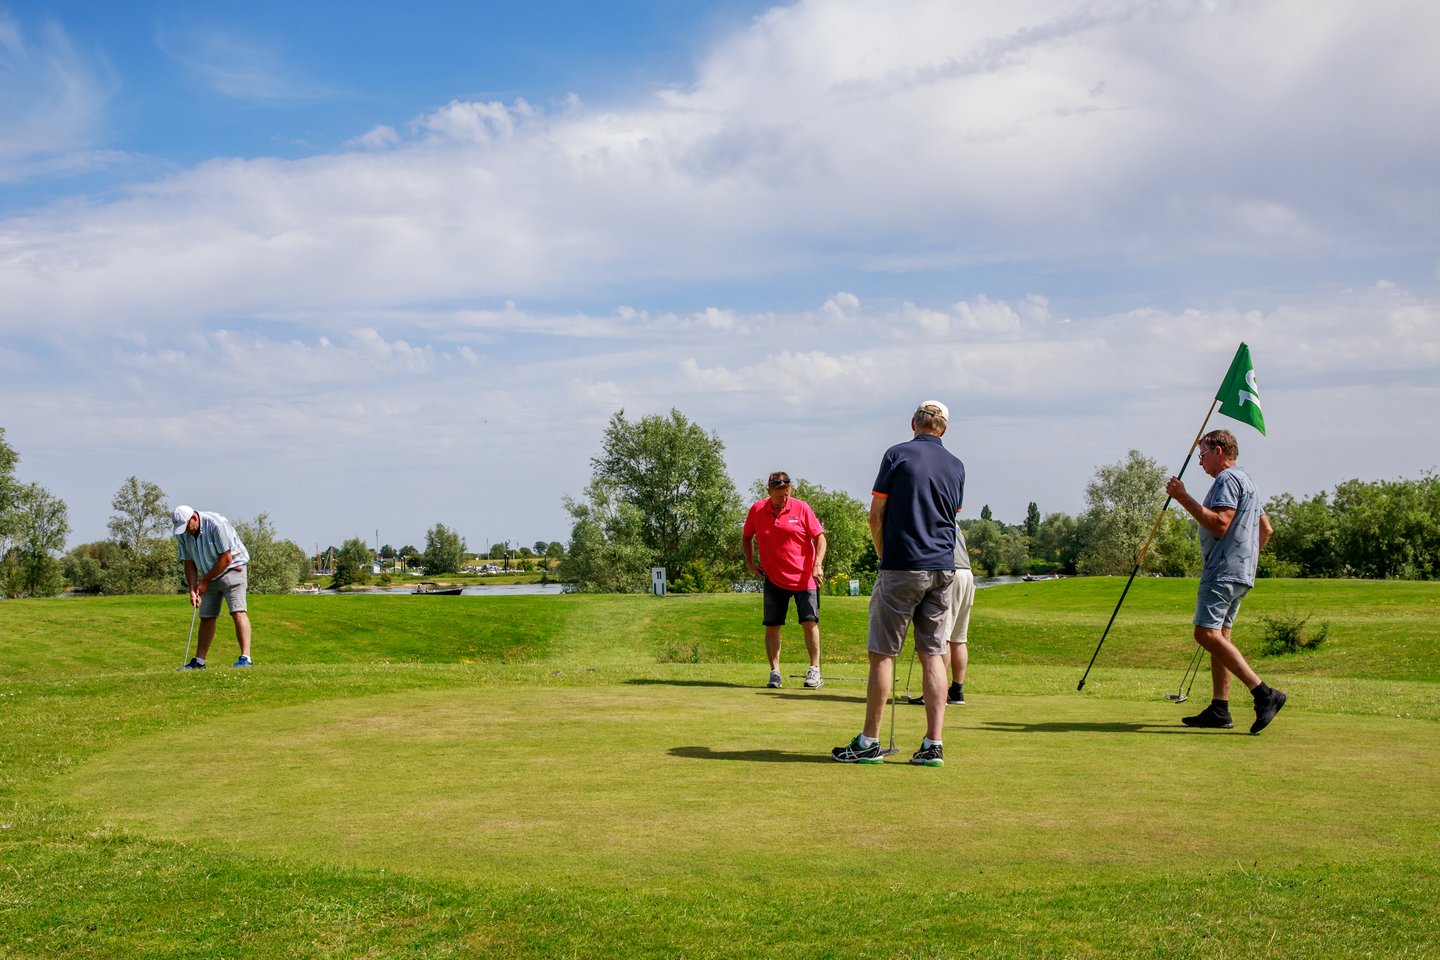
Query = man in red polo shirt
x=791 y=559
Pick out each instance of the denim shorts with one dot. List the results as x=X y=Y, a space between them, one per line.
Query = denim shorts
x=231 y=585
x=901 y=597
x=1218 y=603
x=777 y=605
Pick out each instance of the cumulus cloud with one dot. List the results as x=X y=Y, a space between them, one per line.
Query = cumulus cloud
x=487 y=283
x=926 y=133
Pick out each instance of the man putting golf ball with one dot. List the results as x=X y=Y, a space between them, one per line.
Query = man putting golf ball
x=215 y=562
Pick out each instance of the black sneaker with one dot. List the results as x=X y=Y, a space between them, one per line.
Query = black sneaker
x=1210 y=717
x=931 y=756
x=956 y=696
x=1266 y=708
x=193 y=664
x=854 y=753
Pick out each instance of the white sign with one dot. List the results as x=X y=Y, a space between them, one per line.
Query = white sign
x=657 y=581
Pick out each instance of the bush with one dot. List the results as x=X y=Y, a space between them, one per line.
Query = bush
x=1285 y=633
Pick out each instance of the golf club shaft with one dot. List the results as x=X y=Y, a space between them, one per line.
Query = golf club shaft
x=1145 y=549
x=1199 y=659
x=1187 y=675
x=894 y=685
x=191 y=635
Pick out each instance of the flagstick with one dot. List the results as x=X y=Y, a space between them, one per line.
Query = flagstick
x=1146 y=549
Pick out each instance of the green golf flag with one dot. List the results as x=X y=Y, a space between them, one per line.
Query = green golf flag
x=1239 y=396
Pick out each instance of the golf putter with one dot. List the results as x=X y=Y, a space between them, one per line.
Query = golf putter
x=1191 y=671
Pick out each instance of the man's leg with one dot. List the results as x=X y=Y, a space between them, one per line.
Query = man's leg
x=959 y=660
x=242 y=631
x=877 y=691
x=772 y=647
x=207 y=634
x=811 y=629
x=933 y=667
x=1225 y=659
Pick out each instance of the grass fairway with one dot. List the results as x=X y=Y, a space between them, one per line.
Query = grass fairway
x=603 y=776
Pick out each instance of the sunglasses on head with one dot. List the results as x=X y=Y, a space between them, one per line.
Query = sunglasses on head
x=780 y=482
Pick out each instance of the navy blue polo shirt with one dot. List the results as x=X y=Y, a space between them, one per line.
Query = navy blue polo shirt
x=923 y=485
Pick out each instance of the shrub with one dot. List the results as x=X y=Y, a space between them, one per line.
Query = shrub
x=1285 y=633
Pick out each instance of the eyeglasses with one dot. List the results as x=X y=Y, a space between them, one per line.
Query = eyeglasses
x=778 y=482
x=1205 y=451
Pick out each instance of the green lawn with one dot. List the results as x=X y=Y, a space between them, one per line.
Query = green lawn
x=604 y=776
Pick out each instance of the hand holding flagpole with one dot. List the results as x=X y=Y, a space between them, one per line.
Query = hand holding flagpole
x=1239 y=399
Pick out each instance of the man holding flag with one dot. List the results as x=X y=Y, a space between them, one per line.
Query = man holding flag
x=1233 y=531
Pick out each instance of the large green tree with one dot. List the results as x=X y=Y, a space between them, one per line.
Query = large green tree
x=995 y=548
x=352 y=564
x=140 y=526
x=673 y=474
x=30 y=567
x=1057 y=543
x=1122 y=501
x=275 y=566
x=444 y=551
x=607 y=552
x=9 y=493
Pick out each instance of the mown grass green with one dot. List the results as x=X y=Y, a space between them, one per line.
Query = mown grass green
x=601 y=776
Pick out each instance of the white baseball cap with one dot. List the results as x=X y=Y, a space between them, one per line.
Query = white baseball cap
x=181 y=518
x=935 y=408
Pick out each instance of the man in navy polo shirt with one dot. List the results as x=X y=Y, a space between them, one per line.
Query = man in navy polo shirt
x=913 y=506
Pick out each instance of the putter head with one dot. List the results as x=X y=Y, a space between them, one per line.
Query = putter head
x=1177 y=697
x=889 y=751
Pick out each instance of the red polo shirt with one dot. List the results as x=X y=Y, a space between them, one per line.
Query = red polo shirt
x=786 y=542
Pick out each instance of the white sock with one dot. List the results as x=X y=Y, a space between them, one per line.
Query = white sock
x=868 y=741
x=927 y=742
x=200 y=660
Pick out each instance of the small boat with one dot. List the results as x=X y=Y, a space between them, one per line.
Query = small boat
x=435 y=590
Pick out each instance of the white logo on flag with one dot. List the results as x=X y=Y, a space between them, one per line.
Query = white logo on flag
x=1253 y=394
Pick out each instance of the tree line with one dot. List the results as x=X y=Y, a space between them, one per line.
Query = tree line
x=660 y=495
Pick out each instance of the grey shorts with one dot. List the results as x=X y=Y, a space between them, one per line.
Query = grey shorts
x=777 y=605
x=230 y=584
x=904 y=596
x=1217 y=604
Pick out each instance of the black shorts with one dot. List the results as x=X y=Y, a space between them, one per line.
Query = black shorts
x=777 y=604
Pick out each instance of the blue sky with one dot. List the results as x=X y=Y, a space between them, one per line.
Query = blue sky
x=377 y=266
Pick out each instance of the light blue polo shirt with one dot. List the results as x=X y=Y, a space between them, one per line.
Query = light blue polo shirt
x=216 y=536
x=1232 y=558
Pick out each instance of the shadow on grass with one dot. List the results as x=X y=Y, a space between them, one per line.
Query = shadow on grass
x=652 y=682
x=811 y=695
x=1010 y=726
x=751 y=756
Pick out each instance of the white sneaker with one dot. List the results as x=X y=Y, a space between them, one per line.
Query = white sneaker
x=812 y=678
x=774 y=679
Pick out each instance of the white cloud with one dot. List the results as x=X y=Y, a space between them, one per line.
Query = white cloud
x=459 y=304
x=239 y=67
x=932 y=133
x=378 y=137
x=52 y=104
